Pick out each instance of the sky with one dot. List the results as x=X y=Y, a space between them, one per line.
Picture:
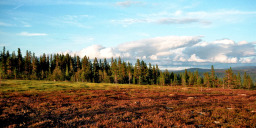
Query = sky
x=175 y=34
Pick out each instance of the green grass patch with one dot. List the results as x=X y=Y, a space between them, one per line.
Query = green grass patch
x=49 y=86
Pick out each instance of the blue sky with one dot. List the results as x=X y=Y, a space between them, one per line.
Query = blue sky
x=175 y=34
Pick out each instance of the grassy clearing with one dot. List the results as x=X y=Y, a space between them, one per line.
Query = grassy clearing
x=48 y=86
x=37 y=86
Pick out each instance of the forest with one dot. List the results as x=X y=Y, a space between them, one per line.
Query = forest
x=60 y=67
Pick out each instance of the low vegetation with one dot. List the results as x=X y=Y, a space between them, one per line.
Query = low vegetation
x=33 y=103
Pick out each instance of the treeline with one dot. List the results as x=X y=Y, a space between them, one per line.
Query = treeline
x=59 y=67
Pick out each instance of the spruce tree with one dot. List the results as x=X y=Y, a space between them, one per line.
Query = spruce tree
x=129 y=69
x=95 y=70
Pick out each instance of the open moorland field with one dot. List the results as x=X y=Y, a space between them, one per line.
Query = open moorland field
x=66 y=104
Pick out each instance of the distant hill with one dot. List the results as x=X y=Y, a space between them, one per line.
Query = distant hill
x=250 y=70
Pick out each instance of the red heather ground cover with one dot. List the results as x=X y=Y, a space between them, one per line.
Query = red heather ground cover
x=130 y=107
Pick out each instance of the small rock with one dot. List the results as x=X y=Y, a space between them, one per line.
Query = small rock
x=171 y=95
x=169 y=107
x=201 y=113
x=184 y=88
x=190 y=98
x=200 y=125
x=216 y=122
x=241 y=94
x=137 y=102
x=230 y=108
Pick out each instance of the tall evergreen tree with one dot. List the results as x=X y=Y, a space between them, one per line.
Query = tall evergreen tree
x=212 y=78
x=207 y=80
x=95 y=71
x=150 y=74
x=114 y=70
x=129 y=70
x=229 y=78
x=20 y=62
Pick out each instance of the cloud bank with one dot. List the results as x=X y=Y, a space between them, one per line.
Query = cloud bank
x=180 y=51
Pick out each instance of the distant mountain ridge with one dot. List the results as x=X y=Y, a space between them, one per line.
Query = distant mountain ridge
x=250 y=70
x=235 y=69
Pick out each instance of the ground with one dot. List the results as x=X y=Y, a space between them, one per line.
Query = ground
x=67 y=104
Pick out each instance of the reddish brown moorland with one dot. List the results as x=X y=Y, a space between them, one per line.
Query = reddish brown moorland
x=129 y=107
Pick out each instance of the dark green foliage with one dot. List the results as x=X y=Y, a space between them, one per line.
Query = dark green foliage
x=61 y=67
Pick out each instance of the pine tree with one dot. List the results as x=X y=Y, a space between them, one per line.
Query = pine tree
x=212 y=79
x=129 y=72
x=150 y=74
x=144 y=72
x=95 y=70
x=106 y=73
x=250 y=82
x=34 y=67
x=154 y=75
x=8 y=65
x=167 y=77
x=20 y=62
x=67 y=77
x=185 y=78
x=157 y=74
x=57 y=74
x=114 y=70
x=207 y=80
x=175 y=80
x=229 y=78
x=137 y=72
x=238 y=82
x=162 y=79
x=4 y=67
x=191 y=79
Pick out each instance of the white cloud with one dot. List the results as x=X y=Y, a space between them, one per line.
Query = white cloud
x=73 y=20
x=221 y=58
x=204 y=18
x=195 y=58
x=182 y=51
x=246 y=60
x=32 y=34
x=177 y=20
x=127 y=3
x=96 y=51
x=5 y=24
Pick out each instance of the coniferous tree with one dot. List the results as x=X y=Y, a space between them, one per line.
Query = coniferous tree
x=137 y=72
x=245 y=82
x=175 y=79
x=250 y=82
x=4 y=67
x=238 y=82
x=162 y=79
x=66 y=67
x=157 y=74
x=212 y=78
x=95 y=71
x=20 y=62
x=34 y=67
x=207 y=80
x=191 y=79
x=129 y=69
x=154 y=73
x=8 y=65
x=229 y=78
x=167 y=77
x=185 y=78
